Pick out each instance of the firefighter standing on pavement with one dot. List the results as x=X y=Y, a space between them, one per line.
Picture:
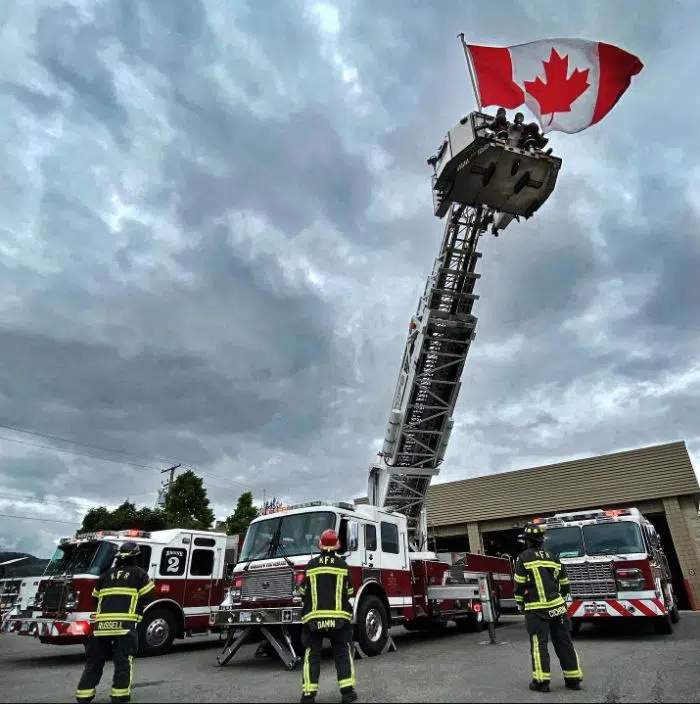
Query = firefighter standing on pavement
x=121 y=594
x=541 y=585
x=327 y=613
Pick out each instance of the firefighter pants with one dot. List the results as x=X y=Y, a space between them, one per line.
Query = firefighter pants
x=541 y=625
x=99 y=648
x=341 y=642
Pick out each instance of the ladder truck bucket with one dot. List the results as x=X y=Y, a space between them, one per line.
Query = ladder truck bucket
x=473 y=168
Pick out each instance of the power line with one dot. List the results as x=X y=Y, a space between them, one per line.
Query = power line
x=34 y=518
x=48 y=436
x=77 y=453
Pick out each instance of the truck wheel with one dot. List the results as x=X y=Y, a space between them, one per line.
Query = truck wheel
x=675 y=614
x=469 y=624
x=156 y=633
x=663 y=625
x=575 y=628
x=372 y=628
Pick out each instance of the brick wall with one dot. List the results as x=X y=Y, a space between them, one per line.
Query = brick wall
x=685 y=532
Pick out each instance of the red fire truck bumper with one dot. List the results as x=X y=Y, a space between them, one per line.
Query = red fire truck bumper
x=52 y=631
x=605 y=608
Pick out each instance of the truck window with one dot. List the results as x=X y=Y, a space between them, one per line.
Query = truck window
x=370 y=537
x=144 y=561
x=613 y=538
x=202 y=563
x=205 y=542
x=390 y=538
x=564 y=542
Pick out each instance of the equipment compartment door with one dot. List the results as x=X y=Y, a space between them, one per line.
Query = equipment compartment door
x=200 y=580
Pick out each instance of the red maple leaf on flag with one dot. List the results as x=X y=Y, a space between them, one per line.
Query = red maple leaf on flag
x=560 y=90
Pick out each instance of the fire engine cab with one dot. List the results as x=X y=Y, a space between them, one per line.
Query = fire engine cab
x=616 y=564
x=188 y=568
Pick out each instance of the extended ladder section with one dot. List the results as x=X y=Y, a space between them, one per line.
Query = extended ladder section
x=479 y=179
x=439 y=338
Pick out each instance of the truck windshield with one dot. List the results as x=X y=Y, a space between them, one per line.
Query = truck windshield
x=294 y=533
x=564 y=542
x=613 y=538
x=85 y=558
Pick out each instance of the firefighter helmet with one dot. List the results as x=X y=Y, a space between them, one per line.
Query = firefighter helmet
x=329 y=540
x=128 y=550
x=532 y=533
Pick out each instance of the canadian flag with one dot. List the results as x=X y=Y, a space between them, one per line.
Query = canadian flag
x=569 y=84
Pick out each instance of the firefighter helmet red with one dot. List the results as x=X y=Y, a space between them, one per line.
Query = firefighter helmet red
x=329 y=540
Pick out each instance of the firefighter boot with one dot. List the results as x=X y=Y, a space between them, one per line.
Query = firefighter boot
x=308 y=698
x=348 y=696
x=539 y=686
x=572 y=684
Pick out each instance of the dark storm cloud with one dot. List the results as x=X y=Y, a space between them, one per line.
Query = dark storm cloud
x=248 y=311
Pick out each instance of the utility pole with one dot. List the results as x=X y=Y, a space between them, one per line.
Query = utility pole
x=163 y=493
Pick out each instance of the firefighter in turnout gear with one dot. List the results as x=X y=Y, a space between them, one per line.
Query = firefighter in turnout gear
x=121 y=594
x=326 y=592
x=541 y=587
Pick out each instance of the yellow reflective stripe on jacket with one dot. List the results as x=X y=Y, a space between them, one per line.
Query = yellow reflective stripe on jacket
x=147 y=588
x=117 y=617
x=519 y=579
x=558 y=601
x=338 y=571
x=313 y=615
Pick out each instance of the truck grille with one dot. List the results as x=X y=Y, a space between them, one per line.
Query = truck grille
x=592 y=579
x=274 y=584
x=54 y=597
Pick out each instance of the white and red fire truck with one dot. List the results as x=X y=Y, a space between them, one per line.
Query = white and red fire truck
x=477 y=181
x=189 y=569
x=616 y=565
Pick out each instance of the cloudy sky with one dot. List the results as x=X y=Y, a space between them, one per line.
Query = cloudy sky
x=216 y=223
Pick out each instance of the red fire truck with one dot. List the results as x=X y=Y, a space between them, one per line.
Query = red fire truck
x=478 y=182
x=188 y=567
x=616 y=565
x=393 y=585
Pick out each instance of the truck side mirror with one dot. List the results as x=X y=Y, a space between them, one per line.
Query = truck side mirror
x=353 y=536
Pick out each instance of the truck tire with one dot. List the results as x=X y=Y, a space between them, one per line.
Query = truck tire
x=469 y=624
x=575 y=628
x=675 y=614
x=663 y=625
x=372 y=627
x=156 y=633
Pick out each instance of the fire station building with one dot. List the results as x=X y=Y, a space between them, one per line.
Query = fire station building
x=485 y=514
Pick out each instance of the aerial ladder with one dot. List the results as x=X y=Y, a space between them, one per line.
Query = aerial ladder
x=479 y=180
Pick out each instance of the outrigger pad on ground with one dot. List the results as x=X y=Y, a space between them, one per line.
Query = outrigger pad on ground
x=389 y=646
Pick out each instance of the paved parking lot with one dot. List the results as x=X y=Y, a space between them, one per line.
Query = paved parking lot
x=632 y=666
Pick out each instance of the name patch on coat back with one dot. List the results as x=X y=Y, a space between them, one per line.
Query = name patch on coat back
x=109 y=625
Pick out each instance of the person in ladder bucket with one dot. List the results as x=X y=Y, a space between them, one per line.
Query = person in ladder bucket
x=326 y=613
x=541 y=586
x=121 y=593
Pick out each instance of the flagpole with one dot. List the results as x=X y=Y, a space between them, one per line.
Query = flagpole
x=472 y=73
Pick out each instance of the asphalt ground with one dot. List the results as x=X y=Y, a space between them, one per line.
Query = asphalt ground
x=633 y=665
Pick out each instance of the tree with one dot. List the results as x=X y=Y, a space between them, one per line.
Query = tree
x=125 y=516
x=237 y=523
x=187 y=503
x=98 y=518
